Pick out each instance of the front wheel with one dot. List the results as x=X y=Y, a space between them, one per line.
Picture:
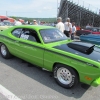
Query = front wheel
x=65 y=76
x=4 y=51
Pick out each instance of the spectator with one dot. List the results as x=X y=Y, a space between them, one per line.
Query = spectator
x=17 y=22
x=88 y=26
x=68 y=27
x=28 y=22
x=60 y=25
x=35 y=22
x=73 y=30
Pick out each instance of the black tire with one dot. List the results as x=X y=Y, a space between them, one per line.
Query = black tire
x=7 y=54
x=68 y=78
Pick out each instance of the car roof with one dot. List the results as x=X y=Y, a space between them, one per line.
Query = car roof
x=93 y=27
x=37 y=27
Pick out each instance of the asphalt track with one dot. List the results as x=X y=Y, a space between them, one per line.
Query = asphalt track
x=29 y=82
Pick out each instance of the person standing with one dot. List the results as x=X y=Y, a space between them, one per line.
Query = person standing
x=68 y=27
x=28 y=22
x=73 y=30
x=17 y=22
x=60 y=25
x=35 y=22
x=88 y=26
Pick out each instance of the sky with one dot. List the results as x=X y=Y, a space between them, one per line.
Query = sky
x=38 y=8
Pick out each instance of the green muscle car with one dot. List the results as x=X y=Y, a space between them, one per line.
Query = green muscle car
x=70 y=61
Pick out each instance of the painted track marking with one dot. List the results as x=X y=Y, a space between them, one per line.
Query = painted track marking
x=9 y=95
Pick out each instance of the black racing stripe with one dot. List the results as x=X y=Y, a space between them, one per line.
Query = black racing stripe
x=73 y=58
x=94 y=55
x=28 y=44
x=31 y=45
x=7 y=37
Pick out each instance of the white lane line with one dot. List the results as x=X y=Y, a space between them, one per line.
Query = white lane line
x=9 y=95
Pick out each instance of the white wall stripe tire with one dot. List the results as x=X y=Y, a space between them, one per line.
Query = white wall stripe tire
x=4 y=51
x=65 y=76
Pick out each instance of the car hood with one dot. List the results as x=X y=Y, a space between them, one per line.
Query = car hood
x=83 y=49
x=91 y=36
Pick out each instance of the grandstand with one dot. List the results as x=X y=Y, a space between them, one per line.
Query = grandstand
x=81 y=15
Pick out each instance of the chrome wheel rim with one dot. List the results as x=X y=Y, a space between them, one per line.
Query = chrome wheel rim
x=64 y=75
x=3 y=50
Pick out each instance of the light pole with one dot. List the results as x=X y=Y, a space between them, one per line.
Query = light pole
x=78 y=2
x=57 y=7
x=6 y=13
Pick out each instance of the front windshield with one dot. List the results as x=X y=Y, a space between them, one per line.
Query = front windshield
x=52 y=35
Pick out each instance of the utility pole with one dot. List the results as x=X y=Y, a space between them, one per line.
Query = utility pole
x=57 y=7
x=93 y=21
x=6 y=13
x=83 y=4
x=67 y=10
x=89 y=6
x=78 y=2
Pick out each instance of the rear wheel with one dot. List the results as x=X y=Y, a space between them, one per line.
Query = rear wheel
x=65 y=76
x=4 y=51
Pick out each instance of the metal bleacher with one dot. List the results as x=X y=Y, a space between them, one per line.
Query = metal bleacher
x=80 y=15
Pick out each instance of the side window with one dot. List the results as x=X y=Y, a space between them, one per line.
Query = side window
x=16 y=32
x=25 y=34
x=29 y=34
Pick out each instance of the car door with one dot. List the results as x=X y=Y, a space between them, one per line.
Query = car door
x=30 y=47
x=14 y=41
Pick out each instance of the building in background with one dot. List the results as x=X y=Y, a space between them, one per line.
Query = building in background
x=79 y=14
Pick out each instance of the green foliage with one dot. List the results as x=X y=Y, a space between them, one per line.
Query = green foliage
x=14 y=17
x=38 y=19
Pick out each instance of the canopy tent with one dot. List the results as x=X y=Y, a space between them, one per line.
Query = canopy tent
x=11 y=20
x=3 y=18
x=21 y=20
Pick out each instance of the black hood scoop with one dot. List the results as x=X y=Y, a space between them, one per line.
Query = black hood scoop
x=82 y=47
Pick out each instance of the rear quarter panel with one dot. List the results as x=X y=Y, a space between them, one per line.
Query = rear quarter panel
x=53 y=56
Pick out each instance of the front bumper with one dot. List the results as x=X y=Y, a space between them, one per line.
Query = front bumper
x=96 y=82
